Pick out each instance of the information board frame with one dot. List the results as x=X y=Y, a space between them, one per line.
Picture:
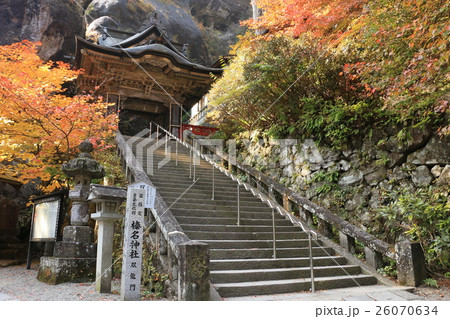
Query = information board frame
x=46 y=219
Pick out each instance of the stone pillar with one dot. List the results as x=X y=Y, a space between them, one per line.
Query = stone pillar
x=373 y=258
x=104 y=252
x=410 y=259
x=347 y=242
x=107 y=200
x=74 y=256
x=305 y=216
x=325 y=228
x=194 y=271
x=286 y=204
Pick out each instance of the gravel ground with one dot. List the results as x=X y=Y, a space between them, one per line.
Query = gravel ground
x=438 y=294
x=19 y=283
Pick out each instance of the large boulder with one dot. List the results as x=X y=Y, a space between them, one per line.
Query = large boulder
x=52 y=22
x=437 y=151
x=128 y=15
x=421 y=177
x=208 y=27
x=444 y=176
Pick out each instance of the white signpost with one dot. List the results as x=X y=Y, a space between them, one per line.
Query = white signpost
x=132 y=245
x=150 y=193
x=139 y=196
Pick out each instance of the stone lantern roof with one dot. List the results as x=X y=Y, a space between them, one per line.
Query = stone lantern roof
x=101 y=192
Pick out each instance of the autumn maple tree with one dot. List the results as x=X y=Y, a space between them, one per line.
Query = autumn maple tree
x=391 y=55
x=295 y=17
x=41 y=124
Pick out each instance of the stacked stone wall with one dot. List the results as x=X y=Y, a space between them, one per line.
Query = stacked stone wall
x=356 y=181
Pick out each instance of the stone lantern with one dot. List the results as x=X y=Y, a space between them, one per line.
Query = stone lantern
x=83 y=169
x=74 y=257
x=107 y=200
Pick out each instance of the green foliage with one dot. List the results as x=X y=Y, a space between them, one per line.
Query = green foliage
x=327 y=181
x=242 y=177
x=389 y=270
x=335 y=123
x=289 y=88
x=118 y=245
x=151 y=278
x=253 y=91
x=430 y=282
x=422 y=216
x=113 y=166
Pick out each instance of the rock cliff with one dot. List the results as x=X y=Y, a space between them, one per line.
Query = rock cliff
x=209 y=27
x=54 y=23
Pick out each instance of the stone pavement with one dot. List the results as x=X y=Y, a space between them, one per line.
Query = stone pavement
x=4 y=297
x=365 y=293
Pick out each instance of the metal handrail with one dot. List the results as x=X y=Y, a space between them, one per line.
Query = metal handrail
x=323 y=214
x=273 y=204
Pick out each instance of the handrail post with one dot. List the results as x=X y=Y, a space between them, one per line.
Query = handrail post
x=165 y=146
x=238 y=207
x=151 y=130
x=193 y=160
x=176 y=152
x=311 y=265
x=213 y=181
x=274 y=235
x=190 y=163
x=157 y=134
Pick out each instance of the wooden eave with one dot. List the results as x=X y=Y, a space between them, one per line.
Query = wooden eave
x=138 y=71
x=126 y=55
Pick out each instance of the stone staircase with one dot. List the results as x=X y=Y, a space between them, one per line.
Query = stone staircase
x=241 y=256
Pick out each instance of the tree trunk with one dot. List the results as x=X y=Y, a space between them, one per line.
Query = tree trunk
x=256 y=15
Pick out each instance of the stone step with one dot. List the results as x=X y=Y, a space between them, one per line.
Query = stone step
x=220 y=202
x=244 y=207
x=229 y=221
x=182 y=177
x=203 y=171
x=269 y=263
x=259 y=253
x=231 y=192
x=291 y=285
x=207 y=188
x=170 y=162
x=234 y=276
x=227 y=214
x=185 y=180
x=235 y=228
x=241 y=257
x=239 y=244
x=195 y=194
x=171 y=159
x=202 y=235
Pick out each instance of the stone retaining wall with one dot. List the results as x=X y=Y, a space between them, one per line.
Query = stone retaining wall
x=355 y=182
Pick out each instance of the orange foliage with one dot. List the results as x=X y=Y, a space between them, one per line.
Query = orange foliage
x=40 y=124
x=295 y=17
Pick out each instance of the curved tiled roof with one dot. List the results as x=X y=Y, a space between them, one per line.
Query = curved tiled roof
x=155 y=47
x=150 y=49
